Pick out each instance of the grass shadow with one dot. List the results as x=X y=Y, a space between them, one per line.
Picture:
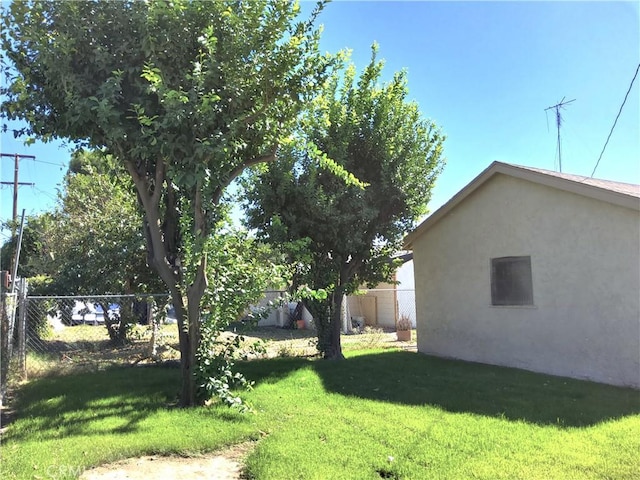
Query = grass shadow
x=274 y=370
x=122 y=396
x=408 y=378
x=118 y=399
x=456 y=386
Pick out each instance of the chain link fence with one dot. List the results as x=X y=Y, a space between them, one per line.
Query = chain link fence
x=55 y=333
x=71 y=331
x=12 y=333
x=111 y=318
x=94 y=331
x=406 y=305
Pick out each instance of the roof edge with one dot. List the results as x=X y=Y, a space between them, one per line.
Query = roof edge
x=535 y=176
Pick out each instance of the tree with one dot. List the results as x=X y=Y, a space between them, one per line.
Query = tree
x=243 y=269
x=92 y=243
x=351 y=233
x=96 y=244
x=186 y=94
x=33 y=248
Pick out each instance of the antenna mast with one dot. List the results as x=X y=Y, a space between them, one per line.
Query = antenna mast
x=557 y=108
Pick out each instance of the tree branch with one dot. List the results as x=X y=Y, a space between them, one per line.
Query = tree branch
x=153 y=231
x=199 y=224
x=159 y=180
x=269 y=157
x=349 y=269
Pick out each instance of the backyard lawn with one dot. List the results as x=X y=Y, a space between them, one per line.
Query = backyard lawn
x=379 y=414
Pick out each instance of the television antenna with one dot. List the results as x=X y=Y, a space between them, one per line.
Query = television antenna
x=557 y=107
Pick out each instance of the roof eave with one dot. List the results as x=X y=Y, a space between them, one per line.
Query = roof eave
x=496 y=167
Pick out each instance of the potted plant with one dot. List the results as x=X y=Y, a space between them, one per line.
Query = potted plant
x=403 y=329
x=297 y=316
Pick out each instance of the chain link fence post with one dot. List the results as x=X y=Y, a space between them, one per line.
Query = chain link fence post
x=7 y=324
x=22 y=328
x=152 y=321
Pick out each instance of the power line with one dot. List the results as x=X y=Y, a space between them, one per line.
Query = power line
x=51 y=196
x=616 y=121
x=49 y=163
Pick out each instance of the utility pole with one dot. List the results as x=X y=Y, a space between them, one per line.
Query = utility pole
x=16 y=183
x=557 y=108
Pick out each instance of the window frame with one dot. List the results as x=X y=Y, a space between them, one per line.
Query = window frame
x=511 y=281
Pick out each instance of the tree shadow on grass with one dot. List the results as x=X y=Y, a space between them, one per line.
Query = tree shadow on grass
x=407 y=378
x=273 y=370
x=415 y=379
x=114 y=400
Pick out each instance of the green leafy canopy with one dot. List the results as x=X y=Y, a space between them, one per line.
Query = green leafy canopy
x=373 y=131
x=185 y=94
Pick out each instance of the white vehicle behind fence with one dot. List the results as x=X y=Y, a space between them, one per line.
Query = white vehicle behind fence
x=89 y=313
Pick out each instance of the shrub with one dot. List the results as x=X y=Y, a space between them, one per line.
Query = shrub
x=403 y=323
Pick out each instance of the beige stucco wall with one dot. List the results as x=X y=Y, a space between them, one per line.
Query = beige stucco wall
x=585 y=261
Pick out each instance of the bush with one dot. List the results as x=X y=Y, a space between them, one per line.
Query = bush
x=403 y=323
x=37 y=324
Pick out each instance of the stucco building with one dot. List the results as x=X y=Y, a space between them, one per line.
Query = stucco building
x=533 y=269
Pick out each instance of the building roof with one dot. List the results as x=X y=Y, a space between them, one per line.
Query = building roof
x=618 y=193
x=619 y=187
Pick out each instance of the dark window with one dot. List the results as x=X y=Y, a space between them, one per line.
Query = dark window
x=511 y=282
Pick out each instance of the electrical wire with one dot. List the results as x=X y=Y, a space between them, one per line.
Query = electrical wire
x=49 y=163
x=616 y=121
x=47 y=194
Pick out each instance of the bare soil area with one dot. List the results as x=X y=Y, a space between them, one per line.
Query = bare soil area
x=222 y=465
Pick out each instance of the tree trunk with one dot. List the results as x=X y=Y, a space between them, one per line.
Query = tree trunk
x=116 y=327
x=334 y=352
x=161 y=232
x=337 y=297
x=188 y=390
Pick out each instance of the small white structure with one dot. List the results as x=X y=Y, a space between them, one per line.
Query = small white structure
x=276 y=309
x=533 y=269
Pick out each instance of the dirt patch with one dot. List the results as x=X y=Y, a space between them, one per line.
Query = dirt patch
x=284 y=342
x=221 y=465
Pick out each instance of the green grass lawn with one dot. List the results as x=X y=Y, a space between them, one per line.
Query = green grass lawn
x=376 y=415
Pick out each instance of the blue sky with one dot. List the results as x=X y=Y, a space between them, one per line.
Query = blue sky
x=484 y=72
